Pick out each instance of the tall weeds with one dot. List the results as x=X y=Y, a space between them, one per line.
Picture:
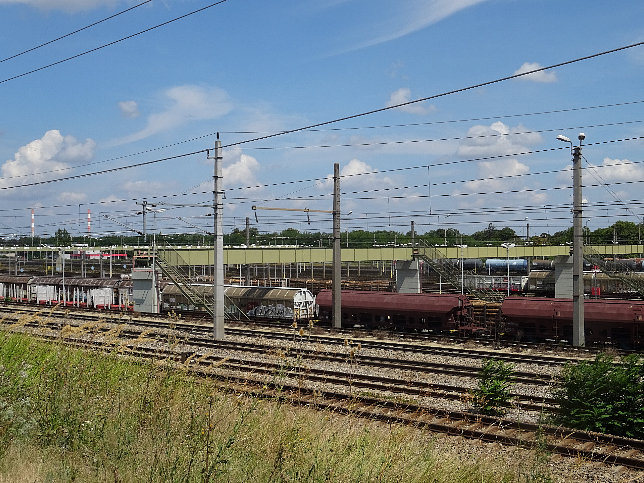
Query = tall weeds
x=73 y=415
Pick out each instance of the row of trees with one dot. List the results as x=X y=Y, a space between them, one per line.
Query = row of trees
x=622 y=232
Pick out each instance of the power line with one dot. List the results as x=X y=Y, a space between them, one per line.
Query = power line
x=74 y=32
x=455 y=121
x=435 y=96
x=105 y=171
x=111 y=43
x=93 y=163
x=457 y=138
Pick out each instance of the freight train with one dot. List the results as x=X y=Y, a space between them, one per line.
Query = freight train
x=245 y=303
x=617 y=322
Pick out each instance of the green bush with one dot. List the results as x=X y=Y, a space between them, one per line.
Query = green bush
x=493 y=391
x=603 y=396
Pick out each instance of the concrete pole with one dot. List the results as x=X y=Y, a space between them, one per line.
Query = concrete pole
x=145 y=206
x=218 y=282
x=413 y=235
x=247 y=243
x=508 y=262
x=337 y=253
x=578 y=337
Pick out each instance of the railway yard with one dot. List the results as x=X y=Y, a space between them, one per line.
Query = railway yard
x=402 y=379
x=403 y=359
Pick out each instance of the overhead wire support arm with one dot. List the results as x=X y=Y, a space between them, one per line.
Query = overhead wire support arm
x=301 y=210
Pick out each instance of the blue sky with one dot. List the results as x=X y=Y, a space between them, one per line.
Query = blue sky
x=250 y=68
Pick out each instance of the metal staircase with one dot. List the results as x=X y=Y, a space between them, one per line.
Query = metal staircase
x=616 y=270
x=436 y=259
x=180 y=280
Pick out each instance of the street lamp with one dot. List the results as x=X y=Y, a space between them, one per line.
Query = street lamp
x=462 y=269
x=507 y=247
x=578 y=338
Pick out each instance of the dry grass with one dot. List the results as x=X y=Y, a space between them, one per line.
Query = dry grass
x=69 y=415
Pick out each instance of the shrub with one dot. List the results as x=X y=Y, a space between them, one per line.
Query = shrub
x=493 y=391
x=603 y=396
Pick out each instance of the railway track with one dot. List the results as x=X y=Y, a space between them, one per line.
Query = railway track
x=243 y=376
x=200 y=337
x=286 y=332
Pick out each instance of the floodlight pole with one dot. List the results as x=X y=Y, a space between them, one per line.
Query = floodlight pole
x=578 y=336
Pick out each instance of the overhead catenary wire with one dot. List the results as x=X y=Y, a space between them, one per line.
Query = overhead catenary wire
x=455 y=121
x=109 y=44
x=455 y=138
x=436 y=96
x=357 y=115
x=105 y=171
x=94 y=24
x=364 y=144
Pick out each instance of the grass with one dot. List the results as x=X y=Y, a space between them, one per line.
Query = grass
x=70 y=415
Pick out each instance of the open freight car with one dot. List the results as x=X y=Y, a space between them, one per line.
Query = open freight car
x=618 y=322
x=428 y=312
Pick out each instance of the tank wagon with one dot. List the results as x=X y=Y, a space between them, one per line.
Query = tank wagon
x=431 y=312
x=496 y=265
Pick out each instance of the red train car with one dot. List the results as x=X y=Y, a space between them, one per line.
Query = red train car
x=620 y=322
x=423 y=311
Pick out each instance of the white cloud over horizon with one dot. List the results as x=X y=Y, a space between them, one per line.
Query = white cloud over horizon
x=504 y=174
x=620 y=170
x=240 y=169
x=543 y=76
x=402 y=96
x=36 y=160
x=497 y=139
x=353 y=176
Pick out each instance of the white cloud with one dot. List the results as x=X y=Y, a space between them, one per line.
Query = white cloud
x=411 y=16
x=403 y=95
x=71 y=197
x=129 y=108
x=502 y=175
x=544 y=76
x=184 y=104
x=620 y=170
x=497 y=139
x=353 y=176
x=66 y=5
x=239 y=169
x=112 y=200
x=50 y=153
x=489 y=172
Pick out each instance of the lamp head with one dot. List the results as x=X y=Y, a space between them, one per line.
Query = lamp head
x=563 y=138
x=581 y=136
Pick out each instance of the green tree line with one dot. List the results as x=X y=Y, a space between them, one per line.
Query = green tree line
x=620 y=232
